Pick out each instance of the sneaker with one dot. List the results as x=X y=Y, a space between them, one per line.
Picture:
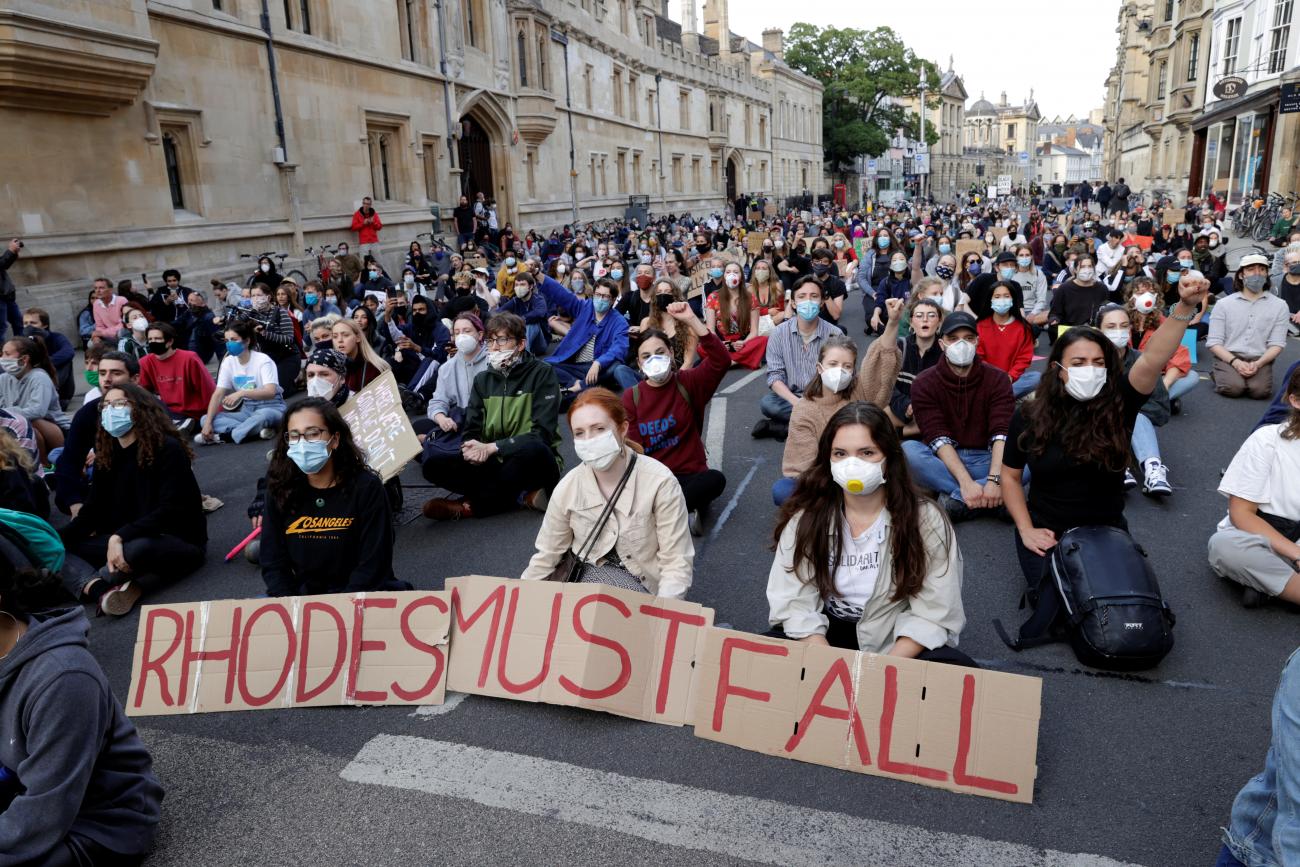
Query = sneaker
x=1129 y=481
x=201 y=440
x=696 y=522
x=1176 y=406
x=957 y=510
x=779 y=431
x=184 y=425
x=211 y=503
x=1156 y=483
x=121 y=599
x=267 y=433
x=444 y=509
x=536 y=500
x=762 y=429
x=1251 y=598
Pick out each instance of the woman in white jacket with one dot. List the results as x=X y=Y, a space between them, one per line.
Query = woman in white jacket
x=863 y=562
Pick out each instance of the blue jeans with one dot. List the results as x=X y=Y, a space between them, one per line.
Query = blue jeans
x=9 y=312
x=1184 y=385
x=539 y=340
x=782 y=489
x=1265 y=824
x=1145 y=444
x=618 y=378
x=775 y=407
x=929 y=472
x=251 y=417
x=1027 y=382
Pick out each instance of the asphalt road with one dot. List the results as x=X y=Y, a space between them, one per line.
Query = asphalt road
x=1140 y=769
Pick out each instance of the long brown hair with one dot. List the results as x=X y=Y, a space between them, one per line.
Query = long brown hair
x=818 y=503
x=1291 y=427
x=1088 y=431
x=150 y=423
x=814 y=387
x=744 y=305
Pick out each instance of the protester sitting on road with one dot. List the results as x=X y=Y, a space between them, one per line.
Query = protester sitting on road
x=113 y=368
x=27 y=388
x=1258 y=543
x=1074 y=435
x=364 y=364
x=683 y=344
x=1006 y=339
x=732 y=315
x=921 y=351
x=897 y=283
x=142 y=524
x=1113 y=321
x=327 y=526
x=248 y=399
x=131 y=339
x=839 y=381
x=451 y=396
x=833 y=288
x=1248 y=330
x=1287 y=287
x=275 y=337
x=854 y=510
x=20 y=489
x=1078 y=299
x=963 y=408
x=530 y=305
x=321 y=331
x=666 y=412
x=178 y=376
x=645 y=543
x=1144 y=318
x=510 y=454
x=769 y=296
x=81 y=789
x=1033 y=287
x=594 y=347
x=793 y=348
x=36 y=323
x=316 y=302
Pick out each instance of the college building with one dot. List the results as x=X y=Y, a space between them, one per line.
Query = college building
x=147 y=134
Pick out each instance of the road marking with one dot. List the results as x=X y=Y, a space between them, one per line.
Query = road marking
x=753 y=829
x=743 y=381
x=735 y=499
x=715 y=435
x=449 y=704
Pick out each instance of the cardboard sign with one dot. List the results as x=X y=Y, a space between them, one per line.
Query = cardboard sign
x=769 y=210
x=1173 y=216
x=297 y=651
x=584 y=645
x=845 y=267
x=968 y=245
x=754 y=242
x=946 y=726
x=862 y=246
x=998 y=234
x=380 y=426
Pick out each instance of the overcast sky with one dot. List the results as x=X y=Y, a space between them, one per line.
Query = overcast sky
x=995 y=46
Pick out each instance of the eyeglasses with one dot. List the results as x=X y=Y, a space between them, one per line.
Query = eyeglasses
x=499 y=342
x=311 y=435
x=117 y=404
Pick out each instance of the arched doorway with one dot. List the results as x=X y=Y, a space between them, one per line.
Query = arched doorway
x=475 y=159
x=731 y=179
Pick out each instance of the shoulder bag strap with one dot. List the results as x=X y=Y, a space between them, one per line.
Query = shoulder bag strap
x=604 y=516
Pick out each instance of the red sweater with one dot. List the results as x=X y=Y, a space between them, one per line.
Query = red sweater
x=1010 y=348
x=181 y=381
x=669 y=427
x=367 y=234
x=968 y=410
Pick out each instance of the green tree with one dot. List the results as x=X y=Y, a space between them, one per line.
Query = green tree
x=863 y=74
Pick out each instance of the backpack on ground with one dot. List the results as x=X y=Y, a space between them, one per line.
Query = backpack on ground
x=1100 y=594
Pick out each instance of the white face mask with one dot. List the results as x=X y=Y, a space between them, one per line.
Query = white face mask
x=266 y=268
x=657 y=368
x=408 y=280
x=466 y=344
x=319 y=386
x=139 y=324
x=10 y=366
x=1118 y=336
x=733 y=279
x=600 y=451
x=1084 y=383
x=857 y=476
x=836 y=379
x=501 y=359
x=261 y=302
x=961 y=353
x=1144 y=302
x=1086 y=274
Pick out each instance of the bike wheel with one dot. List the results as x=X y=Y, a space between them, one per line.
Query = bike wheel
x=298 y=276
x=1262 y=229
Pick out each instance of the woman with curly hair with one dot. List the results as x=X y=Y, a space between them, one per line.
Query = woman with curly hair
x=327 y=527
x=142 y=524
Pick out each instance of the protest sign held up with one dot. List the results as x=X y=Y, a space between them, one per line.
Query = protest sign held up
x=380 y=426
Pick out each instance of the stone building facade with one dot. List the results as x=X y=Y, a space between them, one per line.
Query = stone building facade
x=184 y=133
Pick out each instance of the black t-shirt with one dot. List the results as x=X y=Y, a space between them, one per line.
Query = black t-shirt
x=464 y=217
x=1064 y=492
x=832 y=287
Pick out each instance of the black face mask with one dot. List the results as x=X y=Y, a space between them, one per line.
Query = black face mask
x=35 y=331
x=821 y=269
x=418 y=319
x=157 y=347
x=662 y=300
x=400 y=312
x=326 y=344
x=703 y=248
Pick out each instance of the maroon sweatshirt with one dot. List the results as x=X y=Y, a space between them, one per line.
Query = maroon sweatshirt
x=669 y=427
x=968 y=410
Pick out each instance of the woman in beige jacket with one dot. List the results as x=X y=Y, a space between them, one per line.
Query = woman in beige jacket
x=646 y=534
x=862 y=561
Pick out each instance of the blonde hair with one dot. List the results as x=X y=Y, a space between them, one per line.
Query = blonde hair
x=12 y=453
x=366 y=351
x=326 y=321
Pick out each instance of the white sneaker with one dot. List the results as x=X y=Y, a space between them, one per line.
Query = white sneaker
x=267 y=433
x=1156 y=483
x=201 y=440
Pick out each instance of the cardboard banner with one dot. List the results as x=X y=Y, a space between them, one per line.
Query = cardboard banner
x=754 y=242
x=381 y=427
x=296 y=651
x=862 y=246
x=1173 y=216
x=998 y=234
x=969 y=245
x=844 y=266
x=769 y=210
x=955 y=728
x=583 y=645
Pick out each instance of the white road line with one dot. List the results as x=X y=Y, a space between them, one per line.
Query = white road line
x=741 y=827
x=715 y=433
x=735 y=499
x=449 y=704
x=743 y=381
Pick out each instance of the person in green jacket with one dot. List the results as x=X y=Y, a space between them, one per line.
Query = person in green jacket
x=1283 y=227
x=510 y=451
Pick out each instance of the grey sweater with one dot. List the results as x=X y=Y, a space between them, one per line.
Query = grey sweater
x=34 y=397
x=455 y=379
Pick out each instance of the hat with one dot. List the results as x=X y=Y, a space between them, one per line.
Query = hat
x=1253 y=259
x=1004 y=256
x=331 y=358
x=289 y=280
x=955 y=320
x=479 y=270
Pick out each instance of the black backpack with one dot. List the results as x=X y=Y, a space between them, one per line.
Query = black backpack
x=1100 y=594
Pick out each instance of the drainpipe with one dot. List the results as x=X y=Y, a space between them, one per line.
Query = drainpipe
x=562 y=39
x=659 y=124
x=282 y=153
x=446 y=84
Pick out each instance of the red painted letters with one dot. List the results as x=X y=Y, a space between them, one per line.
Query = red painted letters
x=725 y=687
x=624 y=658
x=675 y=620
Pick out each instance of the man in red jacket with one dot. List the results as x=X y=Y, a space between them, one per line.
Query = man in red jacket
x=366 y=223
x=177 y=376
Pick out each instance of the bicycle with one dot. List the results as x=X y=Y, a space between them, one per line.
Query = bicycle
x=270 y=254
x=322 y=253
x=1270 y=214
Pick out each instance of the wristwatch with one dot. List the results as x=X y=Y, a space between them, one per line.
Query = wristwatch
x=996 y=479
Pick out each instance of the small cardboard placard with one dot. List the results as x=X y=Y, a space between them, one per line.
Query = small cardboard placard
x=380 y=426
x=1173 y=216
x=998 y=234
x=754 y=242
x=295 y=651
x=584 y=645
x=769 y=210
x=961 y=729
x=968 y=245
x=861 y=246
x=844 y=266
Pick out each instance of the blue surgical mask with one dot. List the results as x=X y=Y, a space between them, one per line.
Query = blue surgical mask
x=311 y=298
x=602 y=305
x=1001 y=305
x=882 y=242
x=309 y=457
x=234 y=347
x=1185 y=264
x=1006 y=273
x=374 y=275
x=510 y=261
x=1172 y=277
x=808 y=310
x=616 y=274
x=1024 y=261
x=945 y=249
x=715 y=273
x=116 y=420
x=974 y=268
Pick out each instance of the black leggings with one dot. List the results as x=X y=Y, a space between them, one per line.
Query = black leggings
x=701 y=489
x=494 y=487
x=156 y=561
x=844 y=635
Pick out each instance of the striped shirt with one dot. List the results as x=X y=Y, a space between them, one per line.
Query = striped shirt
x=792 y=360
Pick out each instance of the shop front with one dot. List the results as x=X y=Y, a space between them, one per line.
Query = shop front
x=1233 y=148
